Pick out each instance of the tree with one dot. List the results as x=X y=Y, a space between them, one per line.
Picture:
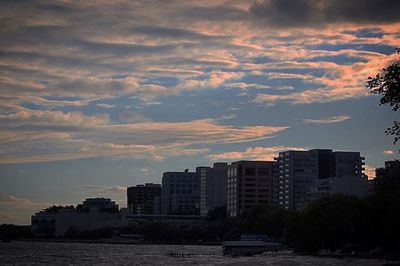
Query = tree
x=217 y=213
x=387 y=84
x=266 y=219
x=330 y=222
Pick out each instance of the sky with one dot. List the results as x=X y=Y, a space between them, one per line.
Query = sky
x=97 y=96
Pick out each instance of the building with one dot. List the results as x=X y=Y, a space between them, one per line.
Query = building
x=298 y=170
x=250 y=183
x=59 y=221
x=144 y=199
x=348 y=185
x=392 y=168
x=98 y=205
x=213 y=185
x=92 y=214
x=371 y=185
x=180 y=193
x=347 y=164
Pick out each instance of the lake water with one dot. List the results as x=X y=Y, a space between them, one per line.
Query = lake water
x=46 y=253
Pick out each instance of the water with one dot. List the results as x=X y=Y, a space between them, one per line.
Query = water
x=46 y=253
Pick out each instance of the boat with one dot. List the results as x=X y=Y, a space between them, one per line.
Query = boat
x=250 y=245
x=248 y=248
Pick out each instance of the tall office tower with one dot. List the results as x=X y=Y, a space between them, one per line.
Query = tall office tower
x=250 y=183
x=180 y=193
x=299 y=169
x=213 y=185
x=141 y=198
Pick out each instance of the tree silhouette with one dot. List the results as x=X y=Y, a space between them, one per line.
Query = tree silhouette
x=387 y=84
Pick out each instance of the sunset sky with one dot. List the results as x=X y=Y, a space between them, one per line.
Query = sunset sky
x=100 y=95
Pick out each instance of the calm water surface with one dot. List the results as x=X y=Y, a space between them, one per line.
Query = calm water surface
x=46 y=253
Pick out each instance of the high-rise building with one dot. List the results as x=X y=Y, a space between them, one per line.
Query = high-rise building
x=250 y=183
x=180 y=193
x=213 y=185
x=298 y=170
x=142 y=199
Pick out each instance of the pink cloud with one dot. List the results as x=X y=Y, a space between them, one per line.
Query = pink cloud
x=54 y=135
x=370 y=171
x=252 y=153
x=328 y=120
x=388 y=152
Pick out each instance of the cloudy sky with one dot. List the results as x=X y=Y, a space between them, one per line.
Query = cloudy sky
x=100 y=95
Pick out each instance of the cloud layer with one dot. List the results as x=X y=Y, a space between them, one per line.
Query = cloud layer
x=39 y=136
x=76 y=76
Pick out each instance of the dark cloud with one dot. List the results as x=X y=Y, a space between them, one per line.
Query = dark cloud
x=128 y=116
x=337 y=59
x=215 y=13
x=125 y=49
x=299 y=13
x=376 y=48
x=59 y=8
x=366 y=33
x=176 y=33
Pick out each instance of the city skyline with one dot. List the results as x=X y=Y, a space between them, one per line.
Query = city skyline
x=99 y=97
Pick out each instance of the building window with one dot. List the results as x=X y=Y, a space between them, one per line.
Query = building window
x=263 y=171
x=250 y=171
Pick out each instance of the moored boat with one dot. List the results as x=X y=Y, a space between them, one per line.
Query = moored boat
x=248 y=247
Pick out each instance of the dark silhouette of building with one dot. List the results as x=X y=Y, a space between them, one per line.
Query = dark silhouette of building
x=392 y=168
x=250 y=183
x=144 y=199
x=298 y=170
x=98 y=205
x=92 y=214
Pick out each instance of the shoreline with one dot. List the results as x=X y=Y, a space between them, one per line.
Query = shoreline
x=114 y=241
x=393 y=258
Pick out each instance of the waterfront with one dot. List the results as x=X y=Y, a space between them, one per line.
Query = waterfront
x=53 y=253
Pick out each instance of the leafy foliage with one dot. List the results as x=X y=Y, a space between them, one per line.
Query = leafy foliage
x=217 y=213
x=266 y=219
x=331 y=223
x=387 y=84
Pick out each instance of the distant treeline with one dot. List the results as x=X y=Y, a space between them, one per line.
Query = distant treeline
x=11 y=232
